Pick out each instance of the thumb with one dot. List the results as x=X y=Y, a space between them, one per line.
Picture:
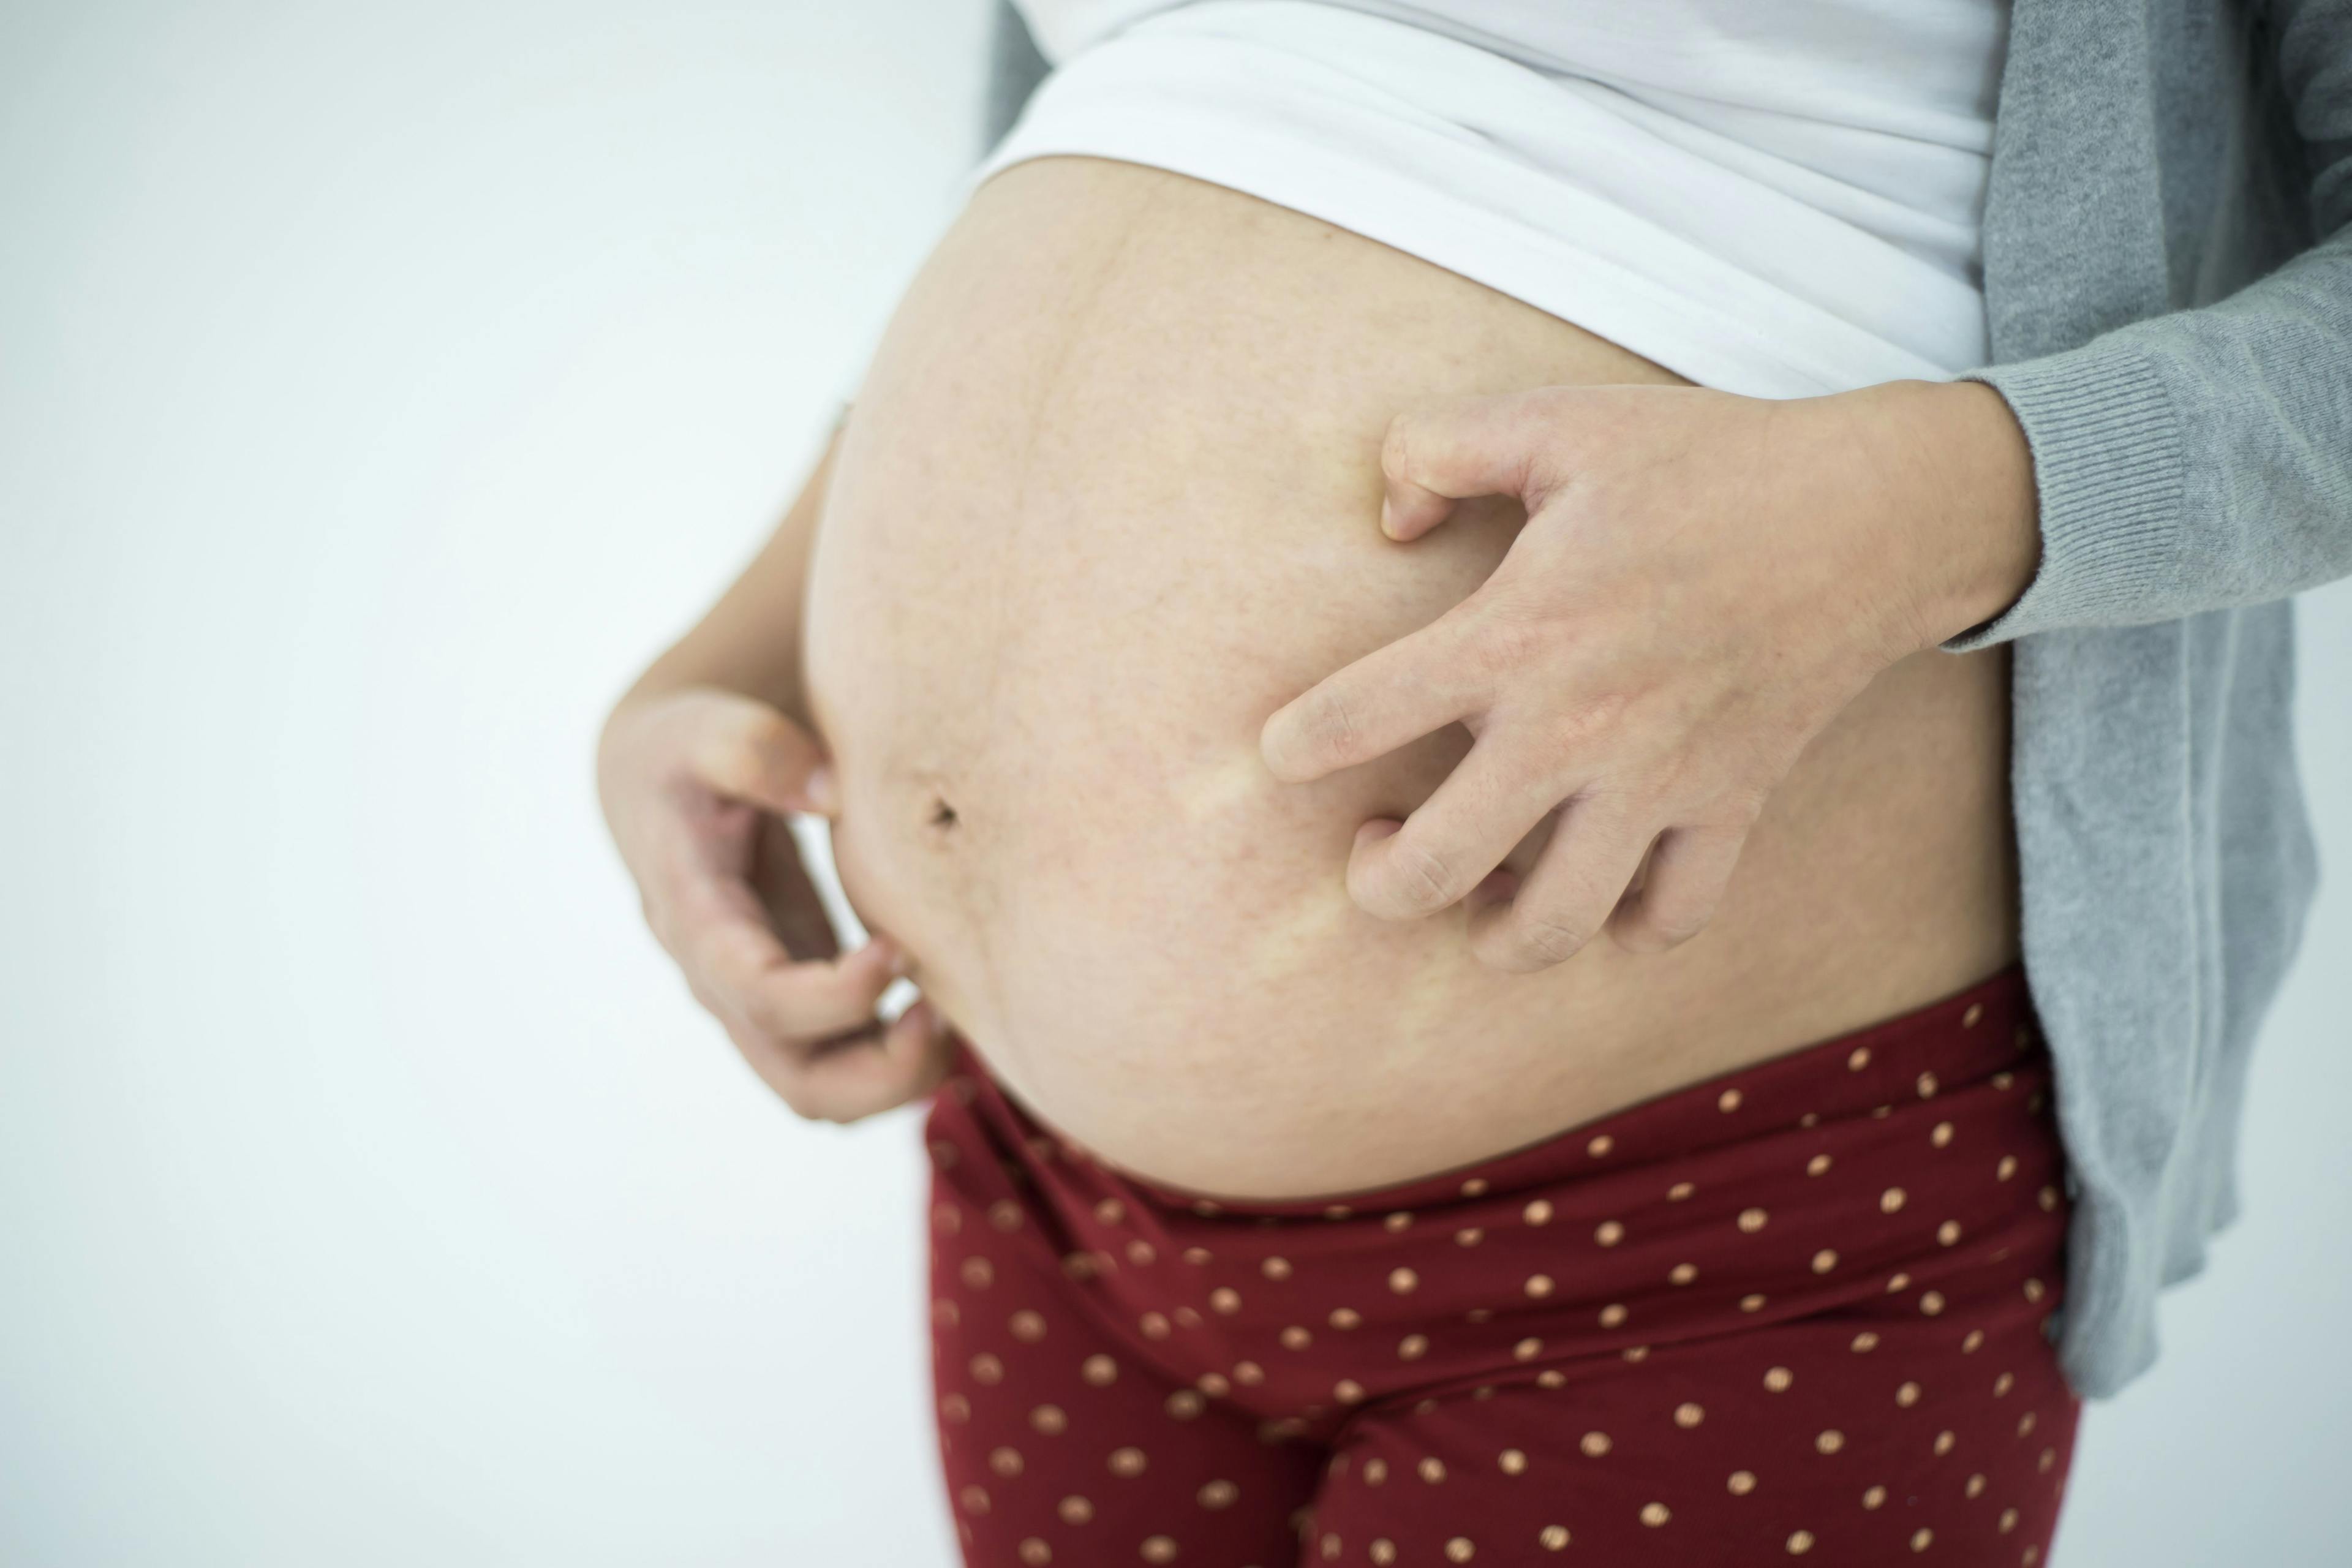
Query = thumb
x=1443 y=452
x=745 y=750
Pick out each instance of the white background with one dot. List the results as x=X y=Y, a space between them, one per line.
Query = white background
x=378 y=388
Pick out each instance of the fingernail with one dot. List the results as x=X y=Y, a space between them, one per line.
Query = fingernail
x=1388 y=519
x=819 y=788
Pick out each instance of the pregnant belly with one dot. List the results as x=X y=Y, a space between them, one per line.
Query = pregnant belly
x=1108 y=497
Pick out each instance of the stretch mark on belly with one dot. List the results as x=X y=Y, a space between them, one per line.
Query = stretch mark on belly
x=1300 y=934
x=1221 y=786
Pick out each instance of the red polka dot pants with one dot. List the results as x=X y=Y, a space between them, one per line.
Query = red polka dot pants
x=1799 y=1312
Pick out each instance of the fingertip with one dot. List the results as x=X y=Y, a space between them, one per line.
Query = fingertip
x=1393 y=884
x=823 y=790
x=1409 y=510
x=1502 y=938
x=1273 y=749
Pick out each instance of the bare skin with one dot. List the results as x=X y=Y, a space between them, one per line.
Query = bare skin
x=698 y=767
x=1110 y=499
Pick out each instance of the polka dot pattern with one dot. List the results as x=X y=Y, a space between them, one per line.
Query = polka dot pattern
x=1802 y=1307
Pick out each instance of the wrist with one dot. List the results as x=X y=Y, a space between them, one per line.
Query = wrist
x=1967 y=497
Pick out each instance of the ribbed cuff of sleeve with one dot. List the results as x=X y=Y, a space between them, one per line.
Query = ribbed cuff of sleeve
x=2106 y=444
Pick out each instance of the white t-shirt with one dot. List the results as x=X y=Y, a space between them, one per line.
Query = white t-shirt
x=1778 y=198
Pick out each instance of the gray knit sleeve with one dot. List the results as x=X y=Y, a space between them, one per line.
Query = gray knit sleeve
x=2203 y=459
x=1014 y=69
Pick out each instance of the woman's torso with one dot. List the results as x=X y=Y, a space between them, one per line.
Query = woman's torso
x=1108 y=498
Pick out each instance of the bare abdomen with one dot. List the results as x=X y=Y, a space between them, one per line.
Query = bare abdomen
x=1108 y=497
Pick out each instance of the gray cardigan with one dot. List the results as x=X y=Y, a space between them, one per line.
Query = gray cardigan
x=2167 y=270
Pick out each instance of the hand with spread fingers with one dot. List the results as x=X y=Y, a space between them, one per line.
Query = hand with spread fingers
x=1703 y=582
x=696 y=783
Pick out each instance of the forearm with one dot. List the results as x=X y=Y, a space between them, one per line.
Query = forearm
x=748 y=641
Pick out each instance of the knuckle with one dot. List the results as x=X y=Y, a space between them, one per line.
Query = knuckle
x=1505 y=642
x=1333 y=729
x=1513 y=635
x=1599 y=720
x=1396 y=448
x=766 y=1013
x=1542 y=941
x=1418 y=877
